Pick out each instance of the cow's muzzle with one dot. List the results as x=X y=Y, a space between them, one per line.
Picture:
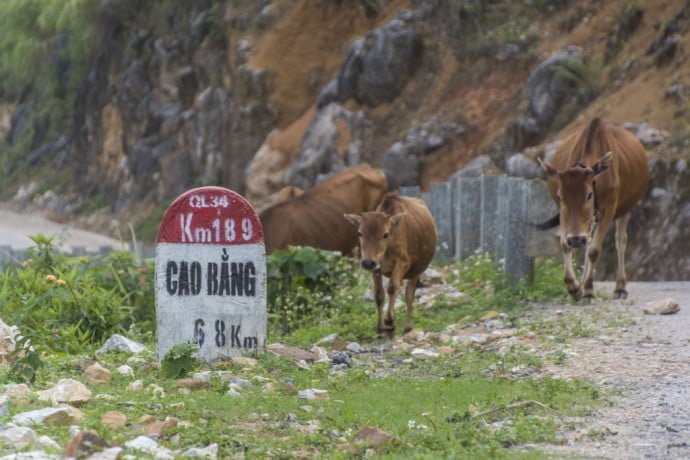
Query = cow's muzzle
x=576 y=241
x=368 y=265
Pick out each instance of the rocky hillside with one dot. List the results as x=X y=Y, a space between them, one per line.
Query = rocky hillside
x=254 y=95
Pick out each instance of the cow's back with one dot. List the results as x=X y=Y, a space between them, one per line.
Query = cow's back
x=418 y=230
x=315 y=218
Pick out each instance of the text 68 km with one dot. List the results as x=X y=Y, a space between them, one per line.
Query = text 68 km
x=217 y=231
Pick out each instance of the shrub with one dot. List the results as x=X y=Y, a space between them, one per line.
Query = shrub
x=302 y=282
x=67 y=303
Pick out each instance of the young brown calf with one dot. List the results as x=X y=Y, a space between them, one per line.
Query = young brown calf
x=397 y=240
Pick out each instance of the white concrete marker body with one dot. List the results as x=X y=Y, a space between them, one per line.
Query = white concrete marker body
x=211 y=275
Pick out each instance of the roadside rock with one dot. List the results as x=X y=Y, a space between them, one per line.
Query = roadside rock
x=96 y=374
x=661 y=307
x=17 y=391
x=210 y=451
x=520 y=165
x=373 y=436
x=244 y=361
x=7 y=335
x=66 y=391
x=548 y=93
x=377 y=66
x=424 y=353
x=151 y=447
x=114 y=419
x=312 y=393
x=18 y=437
x=402 y=161
x=646 y=134
x=4 y=405
x=85 y=443
x=120 y=343
x=126 y=370
x=112 y=453
x=157 y=428
x=64 y=415
x=476 y=167
x=330 y=144
x=295 y=353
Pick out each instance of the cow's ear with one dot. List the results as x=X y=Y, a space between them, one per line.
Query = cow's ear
x=354 y=219
x=396 y=218
x=603 y=164
x=550 y=170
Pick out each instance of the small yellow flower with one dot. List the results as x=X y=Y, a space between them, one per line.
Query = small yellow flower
x=60 y=282
x=51 y=278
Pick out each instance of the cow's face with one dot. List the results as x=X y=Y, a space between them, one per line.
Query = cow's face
x=374 y=230
x=576 y=199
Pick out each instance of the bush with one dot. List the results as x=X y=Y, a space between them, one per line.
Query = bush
x=302 y=282
x=68 y=303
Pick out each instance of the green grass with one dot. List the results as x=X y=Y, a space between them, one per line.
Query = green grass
x=429 y=407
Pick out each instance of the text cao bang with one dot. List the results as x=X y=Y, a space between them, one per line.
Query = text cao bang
x=185 y=278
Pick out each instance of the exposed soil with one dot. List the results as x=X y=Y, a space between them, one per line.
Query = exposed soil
x=644 y=366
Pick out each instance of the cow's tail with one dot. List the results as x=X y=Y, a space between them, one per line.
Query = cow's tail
x=547 y=224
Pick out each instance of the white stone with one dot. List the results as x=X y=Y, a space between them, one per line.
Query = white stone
x=32 y=455
x=112 y=453
x=46 y=442
x=7 y=336
x=66 y=391
x=4 y=405
x=117 y=342
x=234 y=393
x=125 y=370
x=205 y=376
x=210 y=451
x=661 y=307
x=96 y=374
x=151 y=447
x=424 y=353
x=18 y=437
x=45 y=415
x=312 y=393
x=17 y=390
x=137 y=385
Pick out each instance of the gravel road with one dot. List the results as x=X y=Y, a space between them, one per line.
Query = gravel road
x=15 y=229
x=646 y=367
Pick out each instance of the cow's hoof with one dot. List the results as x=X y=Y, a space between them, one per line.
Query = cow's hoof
x=620 y=294
x=388 y=322
x=587 y=299
x=576 y=294
x=386 y=329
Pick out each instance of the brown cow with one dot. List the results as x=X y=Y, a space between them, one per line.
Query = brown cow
x=286 y=193
x=315 y=218
x=596 y=177
x=398 y=240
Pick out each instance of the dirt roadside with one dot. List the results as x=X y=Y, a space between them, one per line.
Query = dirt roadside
x=643 y=361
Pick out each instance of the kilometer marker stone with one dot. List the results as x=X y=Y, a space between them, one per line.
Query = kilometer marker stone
x=211 y=275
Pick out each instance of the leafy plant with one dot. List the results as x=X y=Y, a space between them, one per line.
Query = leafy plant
x=178 y=361
x=302 y=282
x=25 y=361
x=67 y=303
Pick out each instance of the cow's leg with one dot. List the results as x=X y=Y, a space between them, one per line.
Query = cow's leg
x=379 y=297
x=392 y=289
x=569 y=278
x=409 y=300
x=592 y=255
x=621 y=243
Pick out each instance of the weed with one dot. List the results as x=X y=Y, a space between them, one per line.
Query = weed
x=178 y=361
